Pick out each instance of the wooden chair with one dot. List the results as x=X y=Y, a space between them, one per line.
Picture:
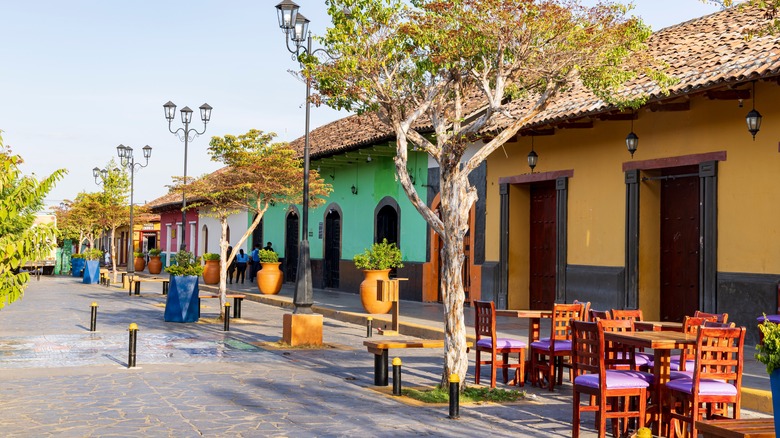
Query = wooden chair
x=488 y=342
x=600 y=314
x=719 y=317
x=547 y=354
x=643 y=360
x=585 y=309
x=609 y=387
x=717 y=378
x=691 y=325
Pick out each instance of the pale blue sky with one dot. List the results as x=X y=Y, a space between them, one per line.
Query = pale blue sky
x=80 y=77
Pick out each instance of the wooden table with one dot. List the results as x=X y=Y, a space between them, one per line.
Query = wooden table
x=534 y=320
x=742 y=428
x=658 y=326
x=662 y=343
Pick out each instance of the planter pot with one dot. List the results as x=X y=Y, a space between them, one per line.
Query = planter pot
x=92 y=272
x=182 y=302
x=139 y=264
x=368 y=291
x=774 y=382
x=211 y=272
x=270 y=278
x=155 y=265
x=77 y=267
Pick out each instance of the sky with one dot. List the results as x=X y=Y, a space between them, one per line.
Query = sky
x=80 y=77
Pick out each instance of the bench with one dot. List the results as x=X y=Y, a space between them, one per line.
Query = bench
x=237 y=299
x=138 y=280
x=380 y=349
x=105 y=277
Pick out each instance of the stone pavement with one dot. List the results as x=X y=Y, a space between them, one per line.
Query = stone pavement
x=193 y=380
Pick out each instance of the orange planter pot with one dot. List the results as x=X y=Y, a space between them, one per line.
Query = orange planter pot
x=139 y=264
x=270 y=278
x=368 y=291
x=154 y=265
x=211 y=272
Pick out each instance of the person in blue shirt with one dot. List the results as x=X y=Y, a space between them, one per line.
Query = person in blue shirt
x=255 y=266
x=241 y=261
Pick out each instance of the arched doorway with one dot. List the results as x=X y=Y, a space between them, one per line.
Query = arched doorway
x=257 y=234
x=387 y=221
x=205 y=236
x=291 y=239
x=332 y=247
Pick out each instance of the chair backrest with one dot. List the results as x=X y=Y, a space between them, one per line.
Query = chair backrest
x=587 y=347
x=632 y=314
x=691 y=325
x=719 y=317
x=718 y=324
x=617 y=355
x=600 y=314
x=719 y=355
x=561 y=315
x=585 y=309
x=484 y=319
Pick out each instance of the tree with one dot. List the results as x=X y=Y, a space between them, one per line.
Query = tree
x=111 y=208
x=21 y=196
x=474 y=72
x=83 y=220
x=257 y=175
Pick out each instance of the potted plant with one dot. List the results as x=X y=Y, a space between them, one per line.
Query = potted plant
x=211 y=270
x=77 y=263
x=376 y=263
x=270 y=277
x=154 y=265
x=182 y=302
x=139 y=263
x=92 y=266
x=769 y=355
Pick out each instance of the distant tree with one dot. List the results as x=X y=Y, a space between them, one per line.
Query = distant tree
x=111 y=208
x=83 y=219
x=770 y=23
x=21 y=197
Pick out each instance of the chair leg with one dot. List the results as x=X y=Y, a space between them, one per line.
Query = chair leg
x=505 y=366
x=575 y=415
x=476 y=370
x=492 y=370
x=520 y=370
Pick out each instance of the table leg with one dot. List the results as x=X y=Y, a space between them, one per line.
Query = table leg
x=380 y=369
x=662 y=371
x=237 y=307
x=534 y=330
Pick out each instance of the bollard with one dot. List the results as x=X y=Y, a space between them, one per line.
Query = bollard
x=454 y=396
x=133 y=329
x=227 y=317
x=369 y=328
x=397 y=376
x=93 y=319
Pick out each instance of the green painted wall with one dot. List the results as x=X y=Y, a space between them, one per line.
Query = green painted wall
x=374 y=181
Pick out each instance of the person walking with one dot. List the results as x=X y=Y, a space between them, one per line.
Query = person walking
x=269 y=247
x=255 y=259
x=232 y=266
x=241 y=261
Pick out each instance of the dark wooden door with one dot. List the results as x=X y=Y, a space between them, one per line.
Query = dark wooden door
x=292 y=236
x=332 y=248
x=679 y=245
x=542 y=246
x=387 y=225
x=257 y=235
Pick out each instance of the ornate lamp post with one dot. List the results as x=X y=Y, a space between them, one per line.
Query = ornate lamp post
x=128 y=162
x=186 y=134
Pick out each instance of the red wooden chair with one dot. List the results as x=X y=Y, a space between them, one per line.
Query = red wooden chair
x=643 y=360
x=600 y=314
x=609 y=387
x=547 y=354
x=719 y=317
x=585 y=309
x=717 y=378
x=488 y=342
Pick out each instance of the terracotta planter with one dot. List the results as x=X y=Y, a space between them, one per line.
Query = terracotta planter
x=139 y=263
x=368 y=291
x=211 y=272
x=269 y=279
x=155 y=265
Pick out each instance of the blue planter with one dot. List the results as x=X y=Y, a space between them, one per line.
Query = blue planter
x=77 y=267
x=774 y=382
x=92 y=272
x=182 y=303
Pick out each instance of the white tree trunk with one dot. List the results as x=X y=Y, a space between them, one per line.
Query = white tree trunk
x=223 y=264
x=112 y=250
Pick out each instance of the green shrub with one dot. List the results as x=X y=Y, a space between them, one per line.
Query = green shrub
x=93 y=254
x=77 y=256
x=138 y=254
x=186 y=264
x=154 y=252
x=769 y=351
x=210 y=256
x=380 y=256
x=268 y=256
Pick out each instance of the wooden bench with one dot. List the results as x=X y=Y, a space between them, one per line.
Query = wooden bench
x=380 y=348
x=105 y=277
x=237 y=299
x=136 y=284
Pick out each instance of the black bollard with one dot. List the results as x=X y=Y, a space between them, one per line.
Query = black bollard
x=397 y=376
x=454 y=396
x=93 y=319
x=133 y=329
x=369 y=328
x=227 y=317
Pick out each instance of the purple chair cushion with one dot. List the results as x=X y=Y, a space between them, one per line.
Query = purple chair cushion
x=616 y=379
x=544 y=344
x=706 y=387
x=675 y=364
x=501 y=343
x=674 y=375
x=772 y=318
x=647 y=357
x=638 y=360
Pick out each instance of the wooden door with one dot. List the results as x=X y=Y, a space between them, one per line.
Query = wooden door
x=332 y=249
x=292 y=236
x=542 y=246
x=387 y=225
x=679 y=244
x=257 y=235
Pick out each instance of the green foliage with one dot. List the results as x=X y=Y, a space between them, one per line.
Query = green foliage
x=21 y=197
x=380 y=256
x=268 y=256
x=77 y=256
x=138 y=254
x=186 y=264
x=769 y=351
x=469 y=395
x=210 y=256
x=93 y=254
x=154 y=252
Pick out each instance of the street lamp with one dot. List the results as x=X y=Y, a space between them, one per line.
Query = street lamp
x=186 y=135
x=101 y=175
x=295 y=27
x=128 y=162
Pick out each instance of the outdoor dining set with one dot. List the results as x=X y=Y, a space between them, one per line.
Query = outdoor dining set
x=635 y=373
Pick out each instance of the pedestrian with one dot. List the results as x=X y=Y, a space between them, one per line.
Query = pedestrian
x=241 y=260
x=255 y=259
x=232 y=266
x=269 y=247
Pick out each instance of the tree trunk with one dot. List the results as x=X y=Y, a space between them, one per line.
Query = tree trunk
x=223 y=264
x=112 y=250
